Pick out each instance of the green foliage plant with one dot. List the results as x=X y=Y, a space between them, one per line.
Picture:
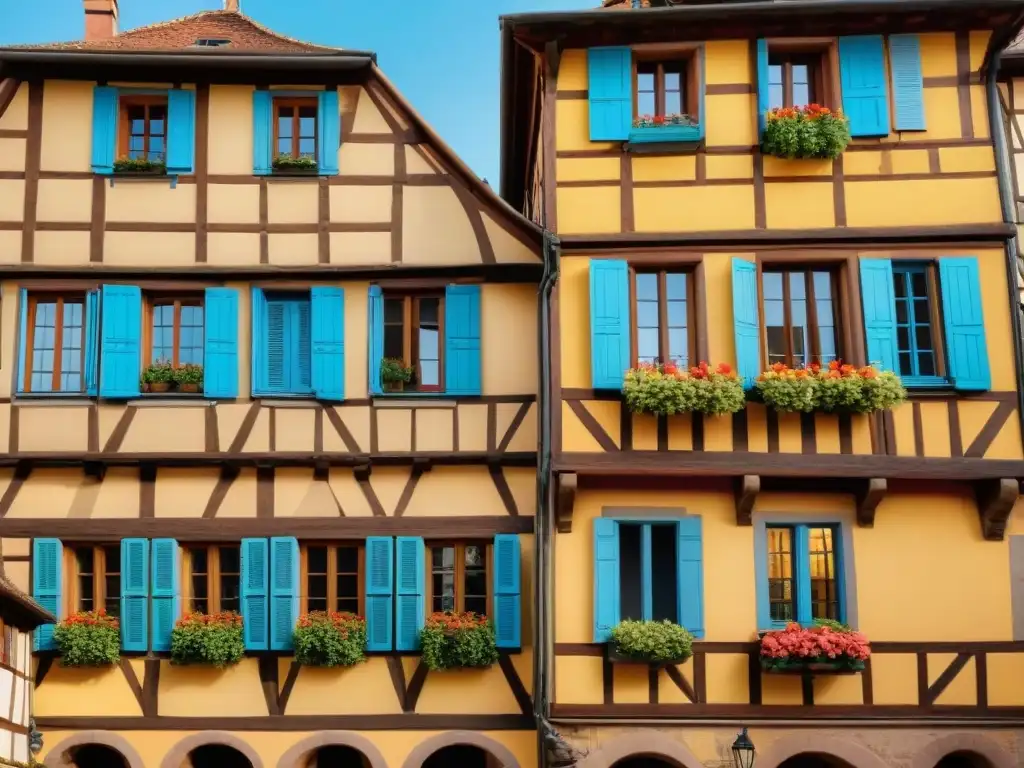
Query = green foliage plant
x=289 y=163
x=332 y=639
x=160 y=372
x=139 y=165
x=394 y=370
x=666 y=390
x=837 y=388
x=215 y=639
x=189 y=375
x=809 y=133
x=88 y=639
x=653 y=641
x=458 y=641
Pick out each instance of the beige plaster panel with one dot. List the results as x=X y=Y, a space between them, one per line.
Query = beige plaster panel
x=233 y=203
x=507 y=248
x=356 y=420
x=297 y=494
x=76 y=691
x=366 y=160
x=486 y=688
x=83 y=505
x=348 y=493
x=415 y=162
x=166 y=430
x=259 y=439
x=18 y=574
x=109 y=416
x=360 y=248
x=66 y=131
x=150 y=249
x=151 y=201
x=388 y=483
x=240 y=500
x=16 y=116
x=229 y=420
x=232 y=249
x=293 y=429
x=293 y=202
x=368 y=118
x=230 y=142
x=9 y=311
x=453 y=491
x=317 y=691
x=361 y=204
x=291 y=250
x=16 y=547
x=472 y=428
x=183 y=492
x=522 y=481
x=436 y=229
x=61 y=248
x=434 y=429
x=12 y=154
x=47 y=493
x=12 y=199
x=10 y=247
x=509 y=338
x=356 y=352
x=525 y=438
x=394 y=429
x=5 y=421
x=64 y=200
x=118 y=494
x=244 y=336
x=53 y=429
x=237 y=691
x=392 y=114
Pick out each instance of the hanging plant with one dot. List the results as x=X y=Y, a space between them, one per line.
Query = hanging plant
x=215 y=639
x=811 y=132
x=332 y=639
x=665 y=390
x=88 y=639
x=837 y=388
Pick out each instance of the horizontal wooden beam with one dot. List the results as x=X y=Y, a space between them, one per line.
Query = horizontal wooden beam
x=403 y=722
x=878 y=715
x=877 y=646
x=235 y=528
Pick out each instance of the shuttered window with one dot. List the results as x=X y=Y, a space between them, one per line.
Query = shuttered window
x=917 y=338
x=173 y=329
x=414 y=337
x=131 y=126
x=332 y=578
x=55 y=343
x=459 y=577
x=94 y=578
x=803 y=575
x=289 y=368
x=213 y=578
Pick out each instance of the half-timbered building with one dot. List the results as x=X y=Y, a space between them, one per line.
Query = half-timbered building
x=633 y=132
x=273 y=217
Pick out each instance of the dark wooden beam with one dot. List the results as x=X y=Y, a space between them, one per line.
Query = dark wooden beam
x=869 y=496
x=8 y=89
x=403 y=722
x=566 y=484
x=995 y=502
x=747 y=488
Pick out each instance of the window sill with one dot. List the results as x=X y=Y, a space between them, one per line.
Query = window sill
x=144 y=178
x=669 y=138
x=401 y=399
x=284 y=395
x=926 y=382
x=295 y=175
x=53 y=398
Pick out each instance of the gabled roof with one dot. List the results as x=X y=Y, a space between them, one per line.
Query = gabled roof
x=244 y=35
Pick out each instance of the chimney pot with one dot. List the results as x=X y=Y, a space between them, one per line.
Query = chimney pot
x=100 y=19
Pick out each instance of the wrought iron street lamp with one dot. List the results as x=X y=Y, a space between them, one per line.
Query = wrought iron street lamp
x=743 y=751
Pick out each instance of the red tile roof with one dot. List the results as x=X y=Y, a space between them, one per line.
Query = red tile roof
x=178 y=34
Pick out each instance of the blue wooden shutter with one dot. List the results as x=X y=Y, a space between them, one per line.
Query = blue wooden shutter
x=379 y=592
x=181 y=131
x=879 y=302
x=763 y=89
x=964 y=321
x=300 y=355
x=104 y=129
x=255 y=577
x=166 y=591
x=284 y=591
x=47 y=587
x=135 y=594
x=609 y=322
x=863 y=80
x=260 y=352
x=907 y=82
x=23 y=332
x=746 y=320
x=328 y=132
x=410 y=567
x=610 y=90
x=606 y=578
x=376 y=338
x=220 y=359
x=92 y=343
x=801 y=559
x=702 y=68
x=507 y=588
x=277 y=350
x=328 y=342
x=462 y=368
x=262 y=133
x=690 y=575
x=121 y=341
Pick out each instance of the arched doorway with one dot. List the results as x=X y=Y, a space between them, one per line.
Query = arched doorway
x=337 y=756
x=645 y=761
x=96 y=756
x=216 y=756
x=963 y=760
x=461 y=756
x=814 y=760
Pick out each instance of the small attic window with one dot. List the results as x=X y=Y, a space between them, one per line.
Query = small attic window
x=212 y=42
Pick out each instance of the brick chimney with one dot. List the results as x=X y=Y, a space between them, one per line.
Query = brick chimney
x=100 y=19
x=231 y=5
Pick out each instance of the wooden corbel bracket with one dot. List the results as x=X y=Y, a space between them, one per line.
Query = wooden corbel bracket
x=361 y=473
x=995 y=502
x=747 y=488
x=869 y=495
x=565 y=500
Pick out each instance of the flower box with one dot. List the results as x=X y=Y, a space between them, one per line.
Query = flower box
x=837 y=388
x=395 y=374
x=88 y=639
x=811 y=132
x=665 y=390
x=298 y=166
x=162 y=376
x=659 y=134
x=332 y=639
x=652 y=643
x=828 y=647
x=139 y=167
x=213 y=639
x=458 y=641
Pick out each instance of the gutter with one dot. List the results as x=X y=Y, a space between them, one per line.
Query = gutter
x=348 y=60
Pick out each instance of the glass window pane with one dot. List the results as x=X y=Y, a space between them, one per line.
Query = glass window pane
x=348 y=559
x=230 y=560
x=645 y=103
x=775 y=74
x=647 y=344
x=348 y=585
x=307 y=147
x=678 y=346
x=316 y=559
x=647 y=287
x=394 y=310
x=647 y=314
x=771 y=283
x=284 y=146
x=672 y=81
x=675 y=286
x=673 y=103
x=919 y=284
x=645 y=82
x=430 y=373
x=317 y=586
x=776 y=97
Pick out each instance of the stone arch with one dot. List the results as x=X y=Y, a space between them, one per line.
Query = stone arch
x=177 y=754
x=295 y=755
x=642 y=744
x=817 y=744
x=58 y=756
x=425 y=749
x=971 y=743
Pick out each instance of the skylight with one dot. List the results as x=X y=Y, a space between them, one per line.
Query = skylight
x=212 y=42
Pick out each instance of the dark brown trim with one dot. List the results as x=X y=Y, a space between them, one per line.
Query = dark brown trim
x=607 y=681
x=228 y=475
x=772 y=429
x=268 y=669
x=513 y=426
x=42 y=667
x=504 y=491
x=794 y=716
x=99 y=216
x=264 y=215
x=21 y=474
x=265 y=492
x=147 y=490
x=572 y=95
x=981 y=675
x=681 y=682
x=410 y=488
x=922 y=677
x=151 y=688
x=289 y=686
x=839 y=191
x=33 y=155
x=918 y=430
x=292 y=723
x=471 y=207
x=996 y=499
x=747 y=489
x=412 y=693
x=133 y=682
x=992 y=427
x=113 y=444
x=245 y=428
x=807 y=689
x=867 y=684
x=652 y=685
x=8 y=90
x=963 y=89
x=397 y=673
x=948 y=675
x=627 y=217
x=934 y=161
x=593 y=426
x=508 y=668
x=323 y=221
x=548 y=141
x=728 y=89
x=343 y=432
x=202 y=169
x=363 y=480
x=212 y=430
x=808 y=433
x=956 y=447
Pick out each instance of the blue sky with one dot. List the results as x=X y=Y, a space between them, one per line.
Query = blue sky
x=442 y=54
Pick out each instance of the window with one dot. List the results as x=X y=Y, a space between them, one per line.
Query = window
x=332 y=575
x=647 y=583
x=143 y=128
x=95 y=578
x=794 y=79
x=213 y=582
x=660 y=88
x=662 y=327
x=458 y=577
x=917 y=340
x=175 y=330
x=801 y=322
x=288 y=344
x=413 y=332
x=55 y=343
x=295 y=127
x=804 y=581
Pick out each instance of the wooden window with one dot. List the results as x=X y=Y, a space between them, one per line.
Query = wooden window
x=94 y=578
x=648 y=584
x=414 y=332
x=662 y=309
x=332 y=575
x=287 y=344
x=800 y=316
x=174 y=330
x=213 y=581
x=295 y=127
x=666 y=82
x=802 y=72
x=143 y=128
x=803 y=559
x=55 y=341
x=917 y=320
x=458 y=577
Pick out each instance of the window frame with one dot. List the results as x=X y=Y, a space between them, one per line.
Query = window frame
x=690 y=81
x=213 y=576
x=297 y=102
x=72 y=598
x=826 y=81
x=149 y=303
x=124 y=132
x=261 y=332
x=410 y=341
x=694 y=355
x=649 y=580
x=930 y=269
x=460 y=571
x=60 y=297
x=332 y=573
x=787 y=268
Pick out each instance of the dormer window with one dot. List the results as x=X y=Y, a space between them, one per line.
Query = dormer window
x=212 y=42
